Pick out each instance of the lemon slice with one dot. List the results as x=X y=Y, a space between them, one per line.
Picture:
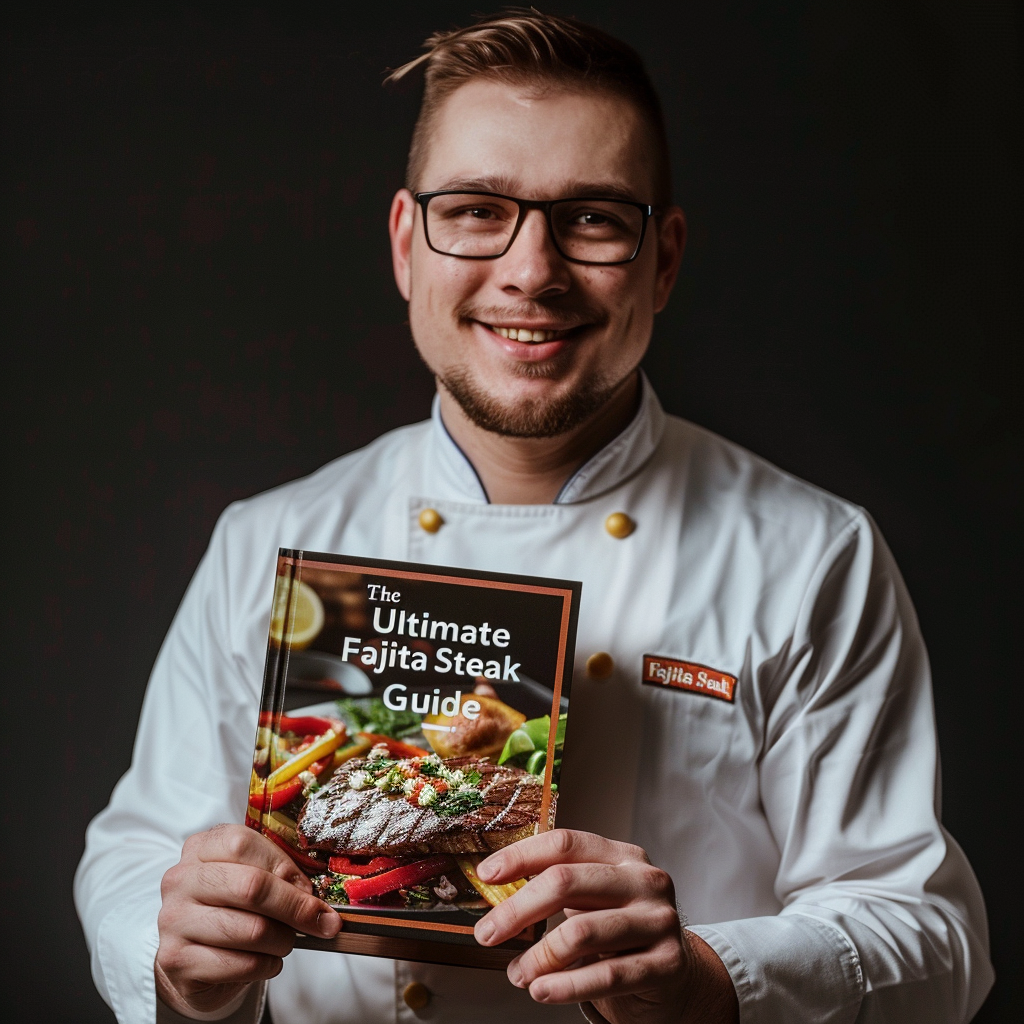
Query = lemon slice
x=302 y=612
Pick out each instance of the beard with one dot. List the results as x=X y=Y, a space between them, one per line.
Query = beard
x=528 y=417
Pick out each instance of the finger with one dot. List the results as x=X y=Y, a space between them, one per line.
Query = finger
x=227 y=928
x=237 y=844
x=574 y=886
x=191 y=967
x=244 y=887
x=601 y=931
x=611 y=976
x=532 y=855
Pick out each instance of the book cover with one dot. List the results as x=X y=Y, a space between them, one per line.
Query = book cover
x=413 y=720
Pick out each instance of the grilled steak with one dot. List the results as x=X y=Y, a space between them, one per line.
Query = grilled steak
x=367 y=822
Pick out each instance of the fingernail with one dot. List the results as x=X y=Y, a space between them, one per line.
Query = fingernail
x=489 y=868
x=484 y=931
x=515 y=973
x=328 y=923
x=540 y=992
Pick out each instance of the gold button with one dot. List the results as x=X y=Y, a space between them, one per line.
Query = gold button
x=600 y=665
x=416 y=995
x=430 y=520
x=618 y=524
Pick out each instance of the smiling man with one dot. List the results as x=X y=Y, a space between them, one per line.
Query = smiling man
x=747 y=647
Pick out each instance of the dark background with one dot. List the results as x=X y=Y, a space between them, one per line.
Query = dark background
x=198 y=306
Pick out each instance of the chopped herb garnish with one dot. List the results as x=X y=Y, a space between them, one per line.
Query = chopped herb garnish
x=374 y=716
x=419 y=896
x=331 y=888
x=460 y=802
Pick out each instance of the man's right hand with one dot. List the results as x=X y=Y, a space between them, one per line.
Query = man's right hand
x=231 y=907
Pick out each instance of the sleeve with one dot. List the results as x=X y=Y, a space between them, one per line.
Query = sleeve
x=882 y=917
x=189 y=768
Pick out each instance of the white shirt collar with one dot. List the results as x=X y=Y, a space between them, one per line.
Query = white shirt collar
x=609 y=467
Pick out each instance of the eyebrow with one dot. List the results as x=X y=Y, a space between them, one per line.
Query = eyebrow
x=569 y=190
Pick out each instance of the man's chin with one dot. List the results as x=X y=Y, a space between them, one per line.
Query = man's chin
x=547 y=416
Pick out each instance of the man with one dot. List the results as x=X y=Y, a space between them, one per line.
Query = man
x=789 y=805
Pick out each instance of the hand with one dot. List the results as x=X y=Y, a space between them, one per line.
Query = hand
x=621 y=945
x=231 y=907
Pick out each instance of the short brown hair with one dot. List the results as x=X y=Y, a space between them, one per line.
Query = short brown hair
x=520 y=46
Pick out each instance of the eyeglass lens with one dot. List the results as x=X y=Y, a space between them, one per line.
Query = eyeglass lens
x=594 y=231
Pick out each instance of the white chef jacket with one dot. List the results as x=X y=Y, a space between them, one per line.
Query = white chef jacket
x=800 y=823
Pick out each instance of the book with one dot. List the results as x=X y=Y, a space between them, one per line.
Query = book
x=413 y=720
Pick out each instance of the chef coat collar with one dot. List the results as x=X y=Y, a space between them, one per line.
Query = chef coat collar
x=609 y=467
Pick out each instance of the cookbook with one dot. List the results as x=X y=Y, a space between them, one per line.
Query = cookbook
x=413 y=720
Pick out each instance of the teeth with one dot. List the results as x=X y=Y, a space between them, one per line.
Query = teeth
x=522 y=334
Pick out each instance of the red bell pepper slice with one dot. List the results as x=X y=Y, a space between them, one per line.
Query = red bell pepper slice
x=359 y=889
x=289 y=791
x=301 y=725
x=304 y=861
x=396 y=748
x=343 y=865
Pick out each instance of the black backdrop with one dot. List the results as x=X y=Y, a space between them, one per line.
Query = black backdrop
x=198 y=306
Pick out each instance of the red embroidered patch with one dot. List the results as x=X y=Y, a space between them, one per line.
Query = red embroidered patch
x=688 y=675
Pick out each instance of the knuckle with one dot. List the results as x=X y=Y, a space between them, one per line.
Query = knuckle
x=258 y=931
x=252 y=887
x=673 y=960
x=563 y=840
x=659 y=882
x=637 y=853
x=510 y=916
x=665 y=918
x=170 y=956
x=580 y=931
x=561 y=877
x=234 y=843
x=617 y=972
x=556 y=948
x=511 y=859
x=545 y=958
x=166 y=921
x=665 y=960
x=170 y=882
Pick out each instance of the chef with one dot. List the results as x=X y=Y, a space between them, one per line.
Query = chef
x=749 y=803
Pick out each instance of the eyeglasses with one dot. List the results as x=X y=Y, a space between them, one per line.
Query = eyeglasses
x=483 y=225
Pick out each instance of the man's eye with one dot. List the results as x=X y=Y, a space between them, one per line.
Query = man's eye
x=595 y=219
x=479 y=213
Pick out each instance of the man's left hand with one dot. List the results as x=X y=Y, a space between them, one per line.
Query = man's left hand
x=621 y=946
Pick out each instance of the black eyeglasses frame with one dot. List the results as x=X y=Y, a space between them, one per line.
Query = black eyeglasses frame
x=545 y=205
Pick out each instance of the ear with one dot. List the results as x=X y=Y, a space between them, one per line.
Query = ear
x=401 y=221
x=671 y=242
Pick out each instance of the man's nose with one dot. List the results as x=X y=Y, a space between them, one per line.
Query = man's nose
x=533 y=266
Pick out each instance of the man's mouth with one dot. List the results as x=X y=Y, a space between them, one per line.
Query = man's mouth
x=528 y=334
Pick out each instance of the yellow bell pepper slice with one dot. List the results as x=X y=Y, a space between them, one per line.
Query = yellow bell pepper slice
x=355 y=749
x=494 y=894
x=327 y=744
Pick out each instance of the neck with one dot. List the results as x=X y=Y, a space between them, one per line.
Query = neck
x=532 y=470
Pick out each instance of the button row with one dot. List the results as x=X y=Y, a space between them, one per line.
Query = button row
x=618 y=524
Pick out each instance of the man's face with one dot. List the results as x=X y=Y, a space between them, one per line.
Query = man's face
x=594 y=322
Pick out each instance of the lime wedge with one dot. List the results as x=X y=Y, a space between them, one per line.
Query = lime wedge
x=518 y=743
